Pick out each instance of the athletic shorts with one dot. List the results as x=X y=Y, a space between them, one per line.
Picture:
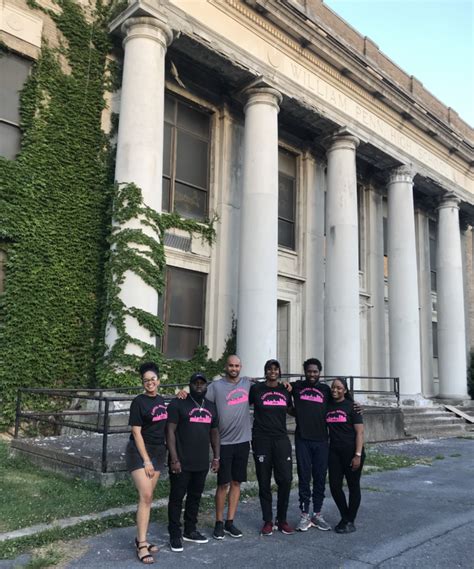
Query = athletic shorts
x=233 y=463
x=134 y=461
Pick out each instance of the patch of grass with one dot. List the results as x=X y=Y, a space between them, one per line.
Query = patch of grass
x=439 y=457
x=378 y=462
x=31 y=496
x=455 y=454
x=45 y=558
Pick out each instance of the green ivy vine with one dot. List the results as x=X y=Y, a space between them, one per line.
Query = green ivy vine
x=65 y=258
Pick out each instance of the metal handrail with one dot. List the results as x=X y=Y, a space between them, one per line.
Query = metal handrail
x=104 y=412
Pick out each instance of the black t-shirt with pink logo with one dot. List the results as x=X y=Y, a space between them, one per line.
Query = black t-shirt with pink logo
x=340 y=419
x=194 y=423
x=150 y=414
x=269 y=410
x=310 y=401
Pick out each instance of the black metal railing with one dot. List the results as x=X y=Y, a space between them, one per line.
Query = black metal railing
x=62 y=413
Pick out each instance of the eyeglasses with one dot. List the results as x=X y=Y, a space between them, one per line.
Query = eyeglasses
x=150 y=380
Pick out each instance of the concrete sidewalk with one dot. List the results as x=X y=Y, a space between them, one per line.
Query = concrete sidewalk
x=417 y=517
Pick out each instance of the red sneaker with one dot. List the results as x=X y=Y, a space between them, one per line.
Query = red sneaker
x=285 y=528
x=267 y=528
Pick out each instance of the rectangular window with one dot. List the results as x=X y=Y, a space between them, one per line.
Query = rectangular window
x=14 y=71
x=182 y=310
x=434 y=326
x=433 y=245
x=385 y=247
x=185 y=160
x=286 y=199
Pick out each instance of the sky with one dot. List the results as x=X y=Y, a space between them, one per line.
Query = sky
x=430 y=39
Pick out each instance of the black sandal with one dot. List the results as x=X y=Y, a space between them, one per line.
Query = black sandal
x=152 y=548
x=147 y=559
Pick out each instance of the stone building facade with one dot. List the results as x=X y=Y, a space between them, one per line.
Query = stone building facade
x=344 y=190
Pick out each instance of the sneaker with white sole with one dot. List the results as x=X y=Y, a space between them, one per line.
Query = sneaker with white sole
x=317 y=521
x=195 y=537
x=231 y=530
x=176 y=544
x=305 y=522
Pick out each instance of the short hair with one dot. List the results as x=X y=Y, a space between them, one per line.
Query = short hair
x=270 y=363
x=148 y=366
x=312 y=361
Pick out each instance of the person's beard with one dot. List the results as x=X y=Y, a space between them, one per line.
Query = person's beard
x=197 y=395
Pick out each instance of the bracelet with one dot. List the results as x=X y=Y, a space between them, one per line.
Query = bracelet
x=145 y=462
x=216 y=458
x=359 y=454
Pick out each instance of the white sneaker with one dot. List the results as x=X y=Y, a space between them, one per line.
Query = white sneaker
x=305 y=522
x=319 y=522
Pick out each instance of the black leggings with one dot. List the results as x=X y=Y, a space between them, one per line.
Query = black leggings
x=339 y=466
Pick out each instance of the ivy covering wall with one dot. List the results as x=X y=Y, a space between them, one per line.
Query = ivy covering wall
x=57 y=200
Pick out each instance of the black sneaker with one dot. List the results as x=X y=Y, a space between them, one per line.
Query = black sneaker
x=218 y=531
x=231 y=530
x=195 y=536
x=176 y=544
x=350 y=527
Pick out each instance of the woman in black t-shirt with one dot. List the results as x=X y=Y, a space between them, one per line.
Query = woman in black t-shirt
x=346 y=453
x=271 y=446
x=146 y=452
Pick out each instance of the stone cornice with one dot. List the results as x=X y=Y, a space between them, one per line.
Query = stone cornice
x=311 y=35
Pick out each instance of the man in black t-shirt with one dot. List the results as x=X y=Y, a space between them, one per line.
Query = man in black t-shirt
x=192 y=424
x=310 y=398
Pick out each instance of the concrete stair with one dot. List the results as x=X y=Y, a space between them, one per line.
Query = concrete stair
x=429 y=422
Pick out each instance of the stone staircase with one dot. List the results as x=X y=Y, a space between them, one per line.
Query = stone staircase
x=435 y=421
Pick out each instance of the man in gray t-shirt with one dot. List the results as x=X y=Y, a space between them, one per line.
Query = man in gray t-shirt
x=230 y=394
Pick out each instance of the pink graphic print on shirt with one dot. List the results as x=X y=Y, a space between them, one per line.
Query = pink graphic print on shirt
x=237 y=396
x=200 y=416
x=159 y=413
x=273 y=398
x=311 y=394
x=337 y=416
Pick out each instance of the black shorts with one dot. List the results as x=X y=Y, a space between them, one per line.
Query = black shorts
x=134 y=461
x=233 y=463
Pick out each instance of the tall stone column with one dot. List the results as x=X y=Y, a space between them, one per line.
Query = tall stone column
x=452 y=362
x=403 y=304
x=258 y=264
x=140 y=147
x=342 y=328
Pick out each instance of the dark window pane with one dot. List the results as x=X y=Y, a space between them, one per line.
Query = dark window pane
x=385 y=236
x=191 y=160
x=169 y=109
x=434 y=326
x=13 y=71
x=182 y=342
x=286 y=234
x=167 y=150
x=186 y=297
x=286 y=163
x=433 y=254
x=190 y=202
x=192 y=120
x=165 y=200
x=433 y=282
x=286 y=197
x=9 y=140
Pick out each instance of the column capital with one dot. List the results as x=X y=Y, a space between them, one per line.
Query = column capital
x=341 y=139
x=449 y=200
x=149 y=27
x=261 y=91
x=403 y=173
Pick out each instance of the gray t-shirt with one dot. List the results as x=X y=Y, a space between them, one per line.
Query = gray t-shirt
x=232 y=402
